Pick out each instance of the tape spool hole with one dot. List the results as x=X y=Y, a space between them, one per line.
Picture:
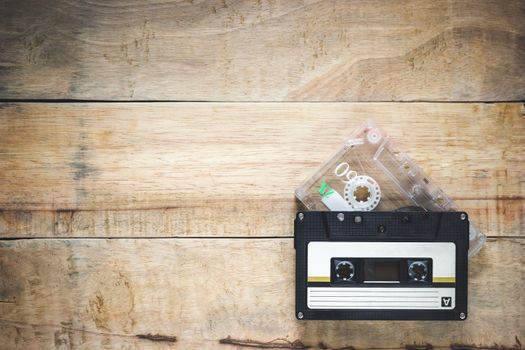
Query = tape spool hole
x=344 y=270
x=418 y=271
x=362 y=194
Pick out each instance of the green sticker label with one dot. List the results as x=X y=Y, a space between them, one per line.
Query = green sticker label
x=325 y=190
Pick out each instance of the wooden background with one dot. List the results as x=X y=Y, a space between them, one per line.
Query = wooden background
x=149 y=152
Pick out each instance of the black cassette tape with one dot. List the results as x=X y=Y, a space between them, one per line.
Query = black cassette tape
x=381 y=265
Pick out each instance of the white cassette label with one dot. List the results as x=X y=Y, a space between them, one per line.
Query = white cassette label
x=380 y=298
x=363 y=296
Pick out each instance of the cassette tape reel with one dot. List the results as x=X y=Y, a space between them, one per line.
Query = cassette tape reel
x=362 y=193
x=381 y=265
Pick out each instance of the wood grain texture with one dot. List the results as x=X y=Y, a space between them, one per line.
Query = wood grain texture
x=261 y=50
x=94 y=293
x=226 y=169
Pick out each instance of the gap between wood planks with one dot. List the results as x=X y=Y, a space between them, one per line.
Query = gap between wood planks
x=248 y=102
x=187 y=238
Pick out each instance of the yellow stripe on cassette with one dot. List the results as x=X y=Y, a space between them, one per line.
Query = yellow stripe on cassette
x=313 y=279
x=318 y=278
x=444 y=280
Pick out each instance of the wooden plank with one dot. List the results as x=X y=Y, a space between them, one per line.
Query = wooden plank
x=246 y=50
x=94 y=293
x=215 y=169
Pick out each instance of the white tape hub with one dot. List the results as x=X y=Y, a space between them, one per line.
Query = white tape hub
x=362 y=193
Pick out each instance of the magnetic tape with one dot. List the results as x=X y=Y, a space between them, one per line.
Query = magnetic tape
x=381 y=265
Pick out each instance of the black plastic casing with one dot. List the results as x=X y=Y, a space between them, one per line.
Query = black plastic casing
x=381 y=227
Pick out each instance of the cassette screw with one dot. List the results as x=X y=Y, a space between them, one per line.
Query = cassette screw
x=381 y=228
x=358 y=219
x=462 y=316
x=463 y=216
x=300 y=216
x=300 y=315
x=341 y=217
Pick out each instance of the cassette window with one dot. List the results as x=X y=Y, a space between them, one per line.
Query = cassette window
x=382 y=271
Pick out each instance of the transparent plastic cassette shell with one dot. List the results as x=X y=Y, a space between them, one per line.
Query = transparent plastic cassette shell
x=368 y=173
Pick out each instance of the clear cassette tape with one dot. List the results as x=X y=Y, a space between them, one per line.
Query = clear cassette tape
x=369 y=173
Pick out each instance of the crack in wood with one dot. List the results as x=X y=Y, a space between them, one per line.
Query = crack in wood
x=281 y=343
x=158 y=337
x=425 y=346
x=67 y=328
x=516 y=346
